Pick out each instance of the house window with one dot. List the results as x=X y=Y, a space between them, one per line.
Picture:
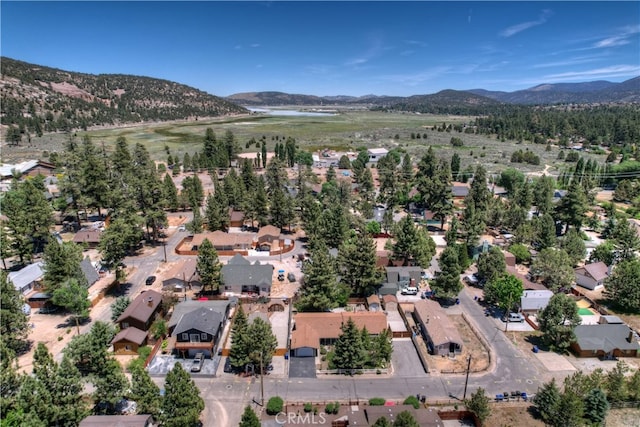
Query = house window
x=127 y=347
x=203 y=336
x=125 y=325
x=185 y=336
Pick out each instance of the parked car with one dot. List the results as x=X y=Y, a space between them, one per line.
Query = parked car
x=182 y=228
x=150 y=280
x=198 y=361
x=227 y=366
x=513 y=317
x=409 y=290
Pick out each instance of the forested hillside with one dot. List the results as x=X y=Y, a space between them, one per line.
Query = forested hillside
x=37 y=99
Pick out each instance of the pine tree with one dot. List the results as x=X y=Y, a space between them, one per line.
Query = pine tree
x=111 y=386
x=262 y=344
x=547 y=401
x=208 y=266
x=596 y=406
x=249 y=418
x=479 y=405
x=14 y=327
x=319 y=290
x=357 y=265
x=239 y=352
x=70 y=407
x=145 y=393
x=448 y=284
x=62 y=262
x=182 y=403
x=558 y=320
x=350 y=353
x=75 y=298
x=405 y=419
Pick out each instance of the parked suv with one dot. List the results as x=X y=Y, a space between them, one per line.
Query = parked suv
x=150 y=280
x=409 y=290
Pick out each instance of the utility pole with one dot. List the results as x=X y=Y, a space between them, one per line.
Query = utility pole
x=164 y=248
x=466 y=381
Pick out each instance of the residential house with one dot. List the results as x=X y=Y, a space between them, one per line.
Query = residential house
x=89 y=237
x=28 y=278
x=399 y=277
x=142 y=311
x=266 y=236
x=440 y=333
x=313 y=330
x=376 y=154
x=240 y=276
x=199 y=327
x=224 y=242
x=128 y=340
x=390 y=303
x=460 y=190
x=182 y=275
x=117 y=421
x=236 y=218
x=592 y=276
x=221 y=306
x=532 y=302
x=605 y=341
x=28 y=168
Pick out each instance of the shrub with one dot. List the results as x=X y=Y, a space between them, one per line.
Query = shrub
x=135 y=363
x=274 y=405
x=144 y=352
x=329 y=408
x=413 y=401
x=336 y=407
x=377 y=401
x=307 y=407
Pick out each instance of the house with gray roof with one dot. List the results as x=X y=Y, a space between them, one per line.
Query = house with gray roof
x=592 y=276
x=533 y=301
x=240 y=276
x=199 y=330
x=27 y=278
x=605 y=341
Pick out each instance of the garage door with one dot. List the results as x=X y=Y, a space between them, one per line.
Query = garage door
x=304 y=352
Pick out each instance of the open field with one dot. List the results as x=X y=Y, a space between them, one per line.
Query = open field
x=345 y=131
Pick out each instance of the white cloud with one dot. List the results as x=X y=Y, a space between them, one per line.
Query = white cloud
x=618 y=39
x=254 y=45
x=515 y=29
x=600 y=73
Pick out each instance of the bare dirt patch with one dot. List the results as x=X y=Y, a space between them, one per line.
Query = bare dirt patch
x=471 y=346
x=508 y=415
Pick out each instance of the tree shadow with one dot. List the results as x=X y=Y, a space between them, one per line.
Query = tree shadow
x=533 y=411
x=120 y=290
x=536 y=340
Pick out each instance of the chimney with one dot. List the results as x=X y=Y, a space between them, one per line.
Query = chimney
x=150 y=301
x=630 y=337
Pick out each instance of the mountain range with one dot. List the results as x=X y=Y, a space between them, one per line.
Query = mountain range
x=599 y=91
x=39 y=99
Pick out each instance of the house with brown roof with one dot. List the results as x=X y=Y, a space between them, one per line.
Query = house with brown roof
x=182 y=275
x=592 y=276
x=440 y=333
x=373 y=303
x=312 y=330
x=142 y=311
x=128 y=340
x=266 y=237
x=236 y=218
x=224 y=242
x=89 y=237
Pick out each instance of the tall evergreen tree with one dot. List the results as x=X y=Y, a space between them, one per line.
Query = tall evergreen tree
x=62 y=262
x=182 y=403
x=14 y=327
x=447 y=283
x=319 y=290
x=239 y=351
x=349 y=350
x=208 y=266
x=145 y=393
x=357 y=265
x=111 y=386
x=261 y=344
x=547 y=401
x=75 y=298
x=558 y=320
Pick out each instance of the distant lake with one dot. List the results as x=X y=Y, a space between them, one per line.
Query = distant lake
x=288 y=112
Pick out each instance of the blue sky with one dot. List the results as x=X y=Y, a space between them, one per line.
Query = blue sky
x=332 y=48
